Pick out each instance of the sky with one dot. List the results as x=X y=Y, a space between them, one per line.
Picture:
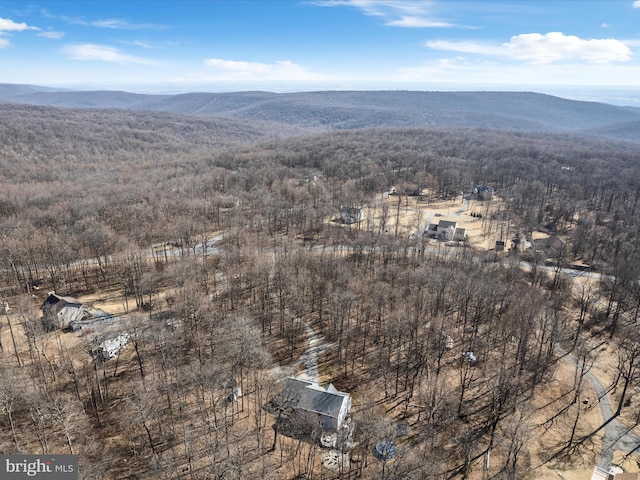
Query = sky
x=178 y=46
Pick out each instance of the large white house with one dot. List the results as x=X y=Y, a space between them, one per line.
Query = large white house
x=446 y=230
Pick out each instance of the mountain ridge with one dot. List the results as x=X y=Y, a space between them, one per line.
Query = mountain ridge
x=337 y=110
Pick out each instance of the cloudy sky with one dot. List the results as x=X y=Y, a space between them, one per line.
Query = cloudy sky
x=320 y=44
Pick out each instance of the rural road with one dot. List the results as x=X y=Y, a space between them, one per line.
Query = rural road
x=464 y=208
x=616 y=435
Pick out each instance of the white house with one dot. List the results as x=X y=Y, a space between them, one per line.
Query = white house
x=446 y=230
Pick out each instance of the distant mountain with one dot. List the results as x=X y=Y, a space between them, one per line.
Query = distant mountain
x=332 y=110
x=10 y=90
x=96 y=99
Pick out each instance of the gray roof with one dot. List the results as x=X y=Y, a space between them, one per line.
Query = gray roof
x=446 y=224
x=350 y=209
x=311 y=397
x=60 y=301
x=482 y=188
x=64 y=309
x=553 y=242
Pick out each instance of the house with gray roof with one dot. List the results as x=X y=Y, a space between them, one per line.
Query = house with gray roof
x=62 y=312
x=446 y=230
x=482 y=192
x=306 y=401
x=351 y=215
x=552 y=245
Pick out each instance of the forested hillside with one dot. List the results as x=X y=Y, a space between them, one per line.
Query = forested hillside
x=520 y=111
x=218 y=241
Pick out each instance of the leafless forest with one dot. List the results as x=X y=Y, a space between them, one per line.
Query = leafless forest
x=122 y=202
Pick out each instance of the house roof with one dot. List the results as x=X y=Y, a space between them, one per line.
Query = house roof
x=553 y=242
x=446 y=224
x=311 y=397
x=54 y=299
x=65 y=309
x=351 y=209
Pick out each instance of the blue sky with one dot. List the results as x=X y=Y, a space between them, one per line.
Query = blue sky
x=173 y=46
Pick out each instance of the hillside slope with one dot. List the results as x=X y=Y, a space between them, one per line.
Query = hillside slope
x=42 y=136
x=333 y=110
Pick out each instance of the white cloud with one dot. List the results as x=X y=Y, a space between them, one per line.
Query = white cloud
x=7 y=25
x=540 y=48
x=636 y=4
x=396 y=13
x=138 y=43
x=605 y=25
x=105 y=53
x=52 y=35
x=115 y=24
x=239 y=70
x=110 y=23
x=417 y=22
x=477 y=48
x=118 y=24
x=555 y=46
x=460 y=71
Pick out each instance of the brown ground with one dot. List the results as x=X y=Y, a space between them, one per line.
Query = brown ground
x=412 y=215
